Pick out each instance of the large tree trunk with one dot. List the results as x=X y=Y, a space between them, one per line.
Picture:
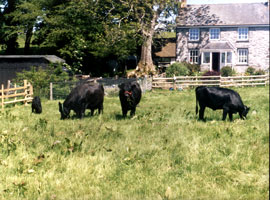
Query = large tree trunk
x=145 y=65
x=29 y=34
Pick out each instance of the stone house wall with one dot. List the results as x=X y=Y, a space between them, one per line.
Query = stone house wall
x=257 y=44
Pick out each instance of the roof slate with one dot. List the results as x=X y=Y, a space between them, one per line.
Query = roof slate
x=50 y=58
x=169 y=50
x=224 y=14
x=217 y=46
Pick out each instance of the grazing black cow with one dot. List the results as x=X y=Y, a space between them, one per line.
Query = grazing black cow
x=36 y=105
x=220 y=98
x=130 y=95
x=84 y=96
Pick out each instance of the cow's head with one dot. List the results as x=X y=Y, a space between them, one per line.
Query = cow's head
x=245 y=111
x=64 y=111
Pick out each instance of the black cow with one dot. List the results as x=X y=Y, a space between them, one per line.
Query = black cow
x=84 y=96
x=36 y=105
x=130 y=95
x=220 y=98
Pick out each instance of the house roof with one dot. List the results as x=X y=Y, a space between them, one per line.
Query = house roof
x=217 y=46
x=169 y=50
x=224 y=14
x=50 y=58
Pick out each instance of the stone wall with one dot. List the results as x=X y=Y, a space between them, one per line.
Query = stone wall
x=258 y=46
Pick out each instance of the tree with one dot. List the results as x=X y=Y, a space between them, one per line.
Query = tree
x=27 y=16
x=9 y=35
x=147 y=13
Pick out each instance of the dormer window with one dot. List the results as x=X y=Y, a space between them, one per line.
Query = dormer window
x=194 y=34
x=242 y=33
x=214 y=33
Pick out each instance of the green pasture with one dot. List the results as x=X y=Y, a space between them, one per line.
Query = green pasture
x=163 y=152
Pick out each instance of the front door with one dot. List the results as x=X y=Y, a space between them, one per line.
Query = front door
x=216 y=61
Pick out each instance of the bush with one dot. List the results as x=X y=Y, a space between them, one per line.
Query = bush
x=227 y=71
x=211 y=73
x=177 y=69
x=193 y=68
x=260 y=72
x=250 y=71
x=40 y=78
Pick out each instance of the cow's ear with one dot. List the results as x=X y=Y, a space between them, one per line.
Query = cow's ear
x=60 y=107
x=121 y=86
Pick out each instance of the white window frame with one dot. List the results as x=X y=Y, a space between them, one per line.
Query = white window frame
x=214 y=31
x=194 y=34
x=243 y=33
x=203 y=59
x=242 y=54
x=194 y=56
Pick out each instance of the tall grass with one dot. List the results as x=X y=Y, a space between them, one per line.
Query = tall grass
x=163 y=152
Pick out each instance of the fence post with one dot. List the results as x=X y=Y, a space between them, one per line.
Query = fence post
x=174 y=82
x=25 y=91
x=220 y=81
x=51 y=91
x=2 y=96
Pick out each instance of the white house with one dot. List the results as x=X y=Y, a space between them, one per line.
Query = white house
x=218 y=35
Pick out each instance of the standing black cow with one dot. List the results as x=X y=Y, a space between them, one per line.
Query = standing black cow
x=84 y=96
x=220 y=98
x=130 y=95
x=36 y=105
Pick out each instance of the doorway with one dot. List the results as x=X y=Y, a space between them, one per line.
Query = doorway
x=215 y=61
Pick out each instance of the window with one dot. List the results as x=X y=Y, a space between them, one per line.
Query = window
x=214 y=33
x=206 y=57
x=194 y=34
x=194 y=56
x=229 y=57
x=242 y=56
x=243 y=33
x=223 y=55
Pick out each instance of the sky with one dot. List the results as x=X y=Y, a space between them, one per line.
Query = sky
x=222 y=1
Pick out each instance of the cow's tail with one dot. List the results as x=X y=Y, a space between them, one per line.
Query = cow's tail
x=196 y=101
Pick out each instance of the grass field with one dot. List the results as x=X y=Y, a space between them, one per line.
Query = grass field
x=161 y=153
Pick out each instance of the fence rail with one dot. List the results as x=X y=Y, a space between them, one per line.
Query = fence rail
x=231 y=81
x=16 y=94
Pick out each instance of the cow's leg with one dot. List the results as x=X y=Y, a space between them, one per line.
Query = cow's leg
x=100 y=109
x=201 y=112
x=225 y=112
x=92 y=112
x=231 y=116
x=132 y=112
x=124 y=112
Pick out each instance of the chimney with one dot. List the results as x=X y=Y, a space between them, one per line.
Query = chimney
x=183 y=3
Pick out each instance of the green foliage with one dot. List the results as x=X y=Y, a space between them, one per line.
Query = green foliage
x=260 y=72
x=227 y=71
x=211 y=73
x=163 y=152
x=193 y=68
x=177 y=69
x=250 y=71
x=40 y=78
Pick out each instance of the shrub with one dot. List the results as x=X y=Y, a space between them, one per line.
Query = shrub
x=260 y=72
x=193 y=68
x=211 y=73
x=227 y=71
x=177 y=69
x=250 y=71
x=40 y=78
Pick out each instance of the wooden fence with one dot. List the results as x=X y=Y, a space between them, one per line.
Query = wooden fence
x=189 y=81
x=16 y=94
